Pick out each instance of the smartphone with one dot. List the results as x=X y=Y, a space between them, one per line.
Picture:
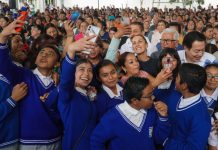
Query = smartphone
x=167 y=62
x=23 y=17
x=75 y=16
x=91 y=30
x=125 y=21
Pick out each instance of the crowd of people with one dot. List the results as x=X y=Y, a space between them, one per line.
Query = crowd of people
x=148 y=81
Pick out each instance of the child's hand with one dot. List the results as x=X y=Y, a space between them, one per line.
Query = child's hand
x=19 y=91
x=80 y=45
x=161 y=108
x=10 y=29
x=44 y=97
x=162 y=76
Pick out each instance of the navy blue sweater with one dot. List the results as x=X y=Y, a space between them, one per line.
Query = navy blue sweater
x=78 y=113
x=190 y=125
x=37 y=125
x=119 y=133
x=9 y=115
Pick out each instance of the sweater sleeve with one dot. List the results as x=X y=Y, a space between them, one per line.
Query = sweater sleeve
x=196 y=139
x=112 y=49
x=6 y=107
x=101 y=135
x=8 y=69
x=161 y=129
x=67 y=79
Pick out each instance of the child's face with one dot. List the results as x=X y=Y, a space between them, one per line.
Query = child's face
x=108 y=76
x=46 y=59
x=146 y=100
x=83 y=75
x=212 y=78
x=178 y=85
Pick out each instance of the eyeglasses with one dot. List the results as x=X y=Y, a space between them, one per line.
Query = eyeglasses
x=210 y=76
x=167 y=41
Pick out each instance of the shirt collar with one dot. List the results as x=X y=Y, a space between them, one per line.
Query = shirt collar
x=36 y=71
x=188 y=101
x=110 y=93
x=82 y=91
x=45 y=80
x=130 y=110
x=213 y=96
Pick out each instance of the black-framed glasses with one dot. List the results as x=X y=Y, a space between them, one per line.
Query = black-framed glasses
x=167 y=41
x=210 y=76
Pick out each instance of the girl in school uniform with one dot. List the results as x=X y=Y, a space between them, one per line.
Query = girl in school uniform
x=111 y=92
x=77 y=111
x=210 y=91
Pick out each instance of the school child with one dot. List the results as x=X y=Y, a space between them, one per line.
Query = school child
x=9 y=113
x=135 y=124
x=77 y=111
x=210 y=92
x=111 y=92
x=189 y=118
x=38 y=130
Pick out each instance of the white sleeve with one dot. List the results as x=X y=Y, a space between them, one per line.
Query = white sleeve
x=213 y=137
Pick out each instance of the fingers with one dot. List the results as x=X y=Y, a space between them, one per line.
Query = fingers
x=161 y=108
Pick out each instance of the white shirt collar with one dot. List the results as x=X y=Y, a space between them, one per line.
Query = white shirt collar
x=110 y=93
x=82 y=91
x=46 y=80
x=214 y=96
x=188 y=101
x=133 y=115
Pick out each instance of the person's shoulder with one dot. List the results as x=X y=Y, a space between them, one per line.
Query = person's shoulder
x=209 y=56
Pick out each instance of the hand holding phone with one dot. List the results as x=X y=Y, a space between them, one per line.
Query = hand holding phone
x=22 y=17
x=92 y=30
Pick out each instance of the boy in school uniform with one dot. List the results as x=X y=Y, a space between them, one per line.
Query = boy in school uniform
x=135 y=124
x=38 y=129
x=188 y=114
x=9 y=115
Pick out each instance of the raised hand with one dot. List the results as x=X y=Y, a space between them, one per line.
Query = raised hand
x=126 y=30
x=9 y=30
x=161 y=108
x=19 y=91
x=68 y=26
x=80 y=45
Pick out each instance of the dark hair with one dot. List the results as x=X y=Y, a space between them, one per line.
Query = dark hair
x=191 y=37
x=176 y=24
x=102 y=64
x=163 y=21
x=113 y=29
x=5 y=18
x=210 y=48
x=122 y=60
x=216 y=27
x=194 y=76
x=54 y=47
x=171 y=52
x=50 y=25
x=134 y=87
x=140 y=36
x=208 y=26
x=211 y=65
x=83 y=61
x=39 y=27
x=140 y=24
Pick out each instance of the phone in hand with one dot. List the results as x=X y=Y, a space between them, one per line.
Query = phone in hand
x=167 y=62
x=22 y=17
x=75 y=16
x=92 y=30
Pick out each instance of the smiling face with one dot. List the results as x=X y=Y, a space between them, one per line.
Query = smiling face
x=212 y=82
x=139 y=45
x=195 y=53
x=131 y=65
x=108 y=76
x=83 y=75
x=46 y=59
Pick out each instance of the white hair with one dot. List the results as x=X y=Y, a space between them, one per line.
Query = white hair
x=170 y=30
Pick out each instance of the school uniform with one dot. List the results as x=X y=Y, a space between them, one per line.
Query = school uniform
x=106 y=99
x=190 y=122
x=124 y=127
x=210 y=100
x=77 y=112
x=9 y=117
x=37 y=127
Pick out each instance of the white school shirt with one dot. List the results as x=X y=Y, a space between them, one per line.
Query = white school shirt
x=45 y=80
x=135 y=116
